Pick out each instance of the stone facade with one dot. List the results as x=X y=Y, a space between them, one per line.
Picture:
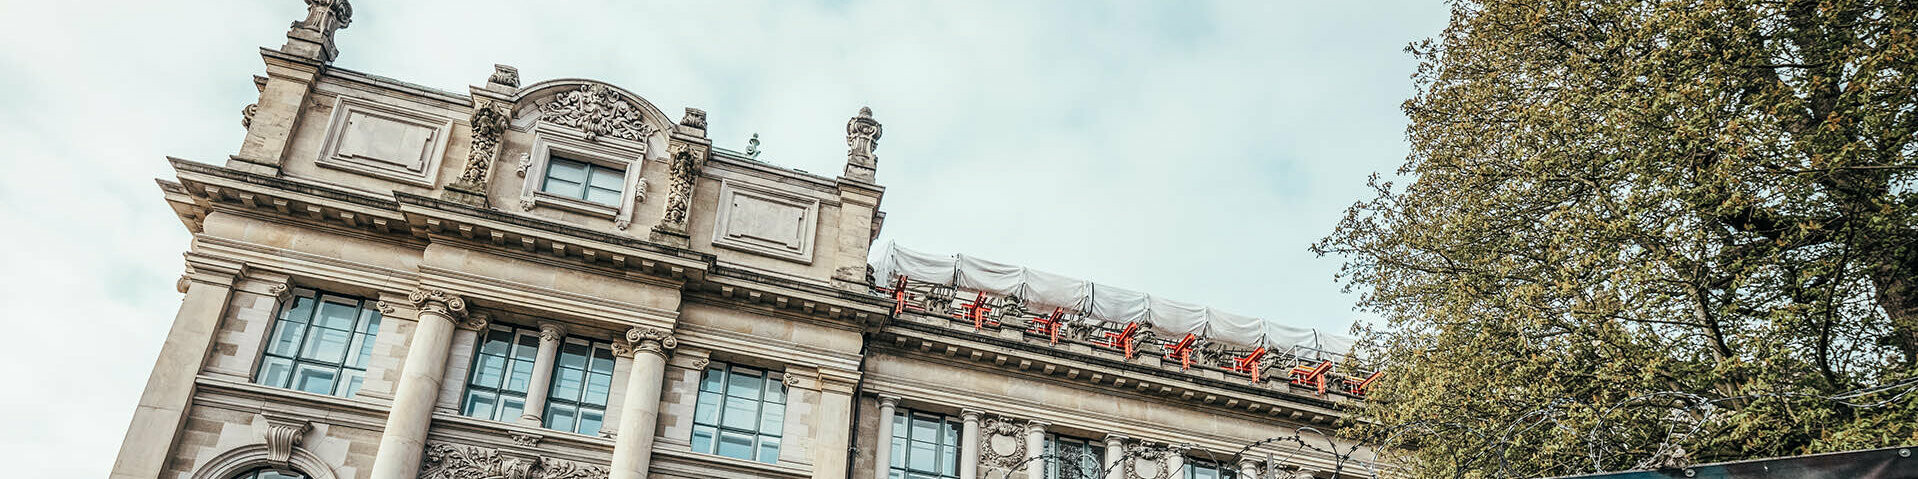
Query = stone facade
x=436 y=210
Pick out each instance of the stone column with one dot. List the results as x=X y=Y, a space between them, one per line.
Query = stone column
x=1248 y=469
x=882 y=452
x=639 y=415
x=550 y=335
x=1175 y=459
x=1115 y=452
x=1036 y=447
x=162 y=408
x=420 y=379
x=969 y=445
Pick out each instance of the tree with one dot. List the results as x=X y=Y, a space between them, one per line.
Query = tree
x=1605 y=200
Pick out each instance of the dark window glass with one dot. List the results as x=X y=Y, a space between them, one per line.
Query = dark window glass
x=496 y=388
x=320 y=344
x=582 y=181
x=581 y=383
x=924 y=446
x=741 y=413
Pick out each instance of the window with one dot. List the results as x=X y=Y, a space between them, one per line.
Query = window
x=320 y=344
x=1196 y=468
x=741 y=413
x=270 y=474
x=502 y=371
x=924 y=446
x=582 y=181
x=1073 y=458
x=581 y=382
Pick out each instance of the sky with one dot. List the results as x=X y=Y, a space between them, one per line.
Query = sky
x=1191 y=150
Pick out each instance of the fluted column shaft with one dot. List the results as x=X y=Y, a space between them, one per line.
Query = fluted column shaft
x=969 y=445
x=412 y=410
x=1115 y=451
x=639 y=416
x=882 y=452
x=1036 y=447
x=550 y=335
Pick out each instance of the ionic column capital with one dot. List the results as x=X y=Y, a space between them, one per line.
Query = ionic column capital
x=1115 y=440
x=888 y=400
x=1037 y=426
x=438 y=301
x=651 y=340
x=969 y=415
x=551 y=331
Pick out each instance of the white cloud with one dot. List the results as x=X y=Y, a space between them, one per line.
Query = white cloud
x=1190 y=150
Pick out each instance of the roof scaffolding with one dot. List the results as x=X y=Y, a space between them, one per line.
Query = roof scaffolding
x=1110 y=304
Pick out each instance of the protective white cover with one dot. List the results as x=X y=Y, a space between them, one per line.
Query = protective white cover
x=1107 y=303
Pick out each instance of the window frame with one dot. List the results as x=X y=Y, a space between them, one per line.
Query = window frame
x=591 y=171
x=945 y=456
x=593 y=348
x=1193 y=464
x=550 y=141
x=500 y=392
x=717 y=427
x=363 y=331
x=1095 y=450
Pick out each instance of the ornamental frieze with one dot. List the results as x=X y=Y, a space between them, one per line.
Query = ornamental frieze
x=443 y=460
x=597 y=111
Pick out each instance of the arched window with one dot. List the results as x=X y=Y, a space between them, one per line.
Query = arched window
x=270 y=473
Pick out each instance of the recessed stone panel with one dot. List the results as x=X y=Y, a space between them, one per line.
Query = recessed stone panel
x=765 y=221
x=385 y=141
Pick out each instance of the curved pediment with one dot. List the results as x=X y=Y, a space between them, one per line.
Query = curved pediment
x=597 y=109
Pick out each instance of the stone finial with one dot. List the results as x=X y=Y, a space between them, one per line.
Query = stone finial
x=504 y=75
x=862 y=138
x=695 y=118
x=752 y=147
x=312 y=37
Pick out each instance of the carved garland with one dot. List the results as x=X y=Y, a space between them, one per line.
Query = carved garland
x=459 y=461
x=597 y=111
x=1002 y=443
x=1154 y=456
x=686 y=162
x=488 y=124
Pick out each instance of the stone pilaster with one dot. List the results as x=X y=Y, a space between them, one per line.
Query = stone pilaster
x=832 y=423
x=882 y=447
x=404 y=437
x=550 y=336
x=639 y=415
x=969 y=444
x=1115 y=452
x=157 y=420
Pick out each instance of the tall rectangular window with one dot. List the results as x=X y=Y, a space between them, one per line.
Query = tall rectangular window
x=581 y=382
x=502 y=371
x=1196 y=468
x=924 y=446
x=741 y=413
x=582 y=181
x=320 y=344
x=1074 y=458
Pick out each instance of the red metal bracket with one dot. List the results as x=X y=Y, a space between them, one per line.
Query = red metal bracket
x=1182 y=351
x=1123 y=339
x=976 y=311
x=1049 y=325
x=1249 y=364
x=1311 y=375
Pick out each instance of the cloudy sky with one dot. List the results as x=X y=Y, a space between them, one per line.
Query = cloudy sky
x=1190 y=150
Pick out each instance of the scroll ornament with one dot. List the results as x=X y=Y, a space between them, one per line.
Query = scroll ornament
x=438 y=301
x=597 y=111
x=651 y=340
x=686 y=161
x=488 y=124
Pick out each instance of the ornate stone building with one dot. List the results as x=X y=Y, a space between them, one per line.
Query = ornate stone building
x=557 y=279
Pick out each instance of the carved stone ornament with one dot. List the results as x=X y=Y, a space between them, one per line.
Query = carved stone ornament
x=862 y=138
x=525 y=163
x=695 y=118
x=597 y=111
x=386 y=309
x=639 y=197
x=528 y=440
x=621 y=348
x=701 y=363
x=438 y=301
x=488 y=125
x=551 y=331
x=282 y=435
x=443 y=460
x=1002 y=443
x=280 y=291
x=649 y=340
x=246 y=114
x=475 y=322
x=504 y=75
x=1144 y=461
x=687 y=161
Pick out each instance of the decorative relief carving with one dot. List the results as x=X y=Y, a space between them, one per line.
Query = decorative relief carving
x=686 y=161
x=695 y=118
x=701 y=363
x=1149 y=461
x=459 y=461
x=621 y=348
x=246 y=114
x=282 y=435
x=1002 y=443
x=438 y=301
x=597 y=111
x=862 y=138
x=475 y=322
x=386 y=309
x=528 y=440
x=640 y=186
x=504 y=75
x=280 y=291
x=649 y=340
x=525 y=163
x=488 y=125
x=326 y=16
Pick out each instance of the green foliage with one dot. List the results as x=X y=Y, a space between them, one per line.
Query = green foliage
x=1610 y=199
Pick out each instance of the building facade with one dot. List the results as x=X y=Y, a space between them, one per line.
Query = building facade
x=560 y=280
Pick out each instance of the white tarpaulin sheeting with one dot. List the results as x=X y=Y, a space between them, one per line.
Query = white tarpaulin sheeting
x=1107 y=303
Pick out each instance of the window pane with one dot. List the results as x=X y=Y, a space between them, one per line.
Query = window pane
x=925 y=429
x=712 y=381
x=286 y=341
x=567 y=384
x=898 y=456
x=949 y=460
x=337 y=315
x=607 y=178
x=741 y=413
x=561 y=417
x=769 y=450
x=314 y=378
x=602 y=361
x=707 y=411
x=591 y=421
x=511 y=407
x=488 y=371
x=275 y=372
x=369 y=320
x=743 y=384
x=703 y=439
x=899 y=425
x=772 y=420
x=528 y=348
x=775 y=391
x=301 y=312
x=496 y=342
x=598 y=388
x=522 y=376
x=479 y=404
x=603 y=196
x=353 y=380
x=735 y=445
x=326 y=344
x=951 y=430
x=923 y=457
x=362 y=350
x=558 y=168
x=573 y=355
